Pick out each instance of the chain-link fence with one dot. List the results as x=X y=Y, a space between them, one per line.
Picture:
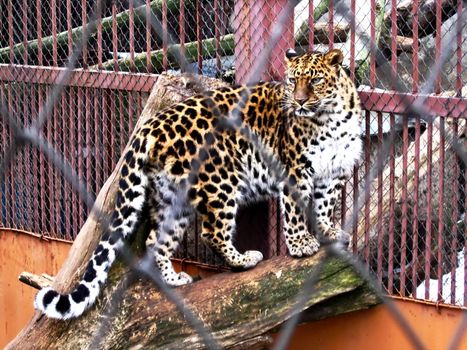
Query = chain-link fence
x=405 y=205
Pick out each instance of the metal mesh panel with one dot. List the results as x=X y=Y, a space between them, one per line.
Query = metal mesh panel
x=408 y=193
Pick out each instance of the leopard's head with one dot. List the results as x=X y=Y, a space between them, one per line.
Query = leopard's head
x=311 y=80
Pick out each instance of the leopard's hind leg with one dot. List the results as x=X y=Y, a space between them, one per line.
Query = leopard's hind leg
x=170 y=216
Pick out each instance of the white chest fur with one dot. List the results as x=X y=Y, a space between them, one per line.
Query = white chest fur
x=338 y=147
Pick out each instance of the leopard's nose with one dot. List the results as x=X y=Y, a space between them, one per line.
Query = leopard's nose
x=301 y=100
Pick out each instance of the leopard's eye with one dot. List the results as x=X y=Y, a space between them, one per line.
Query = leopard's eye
x=316 y=81
x=292 y=80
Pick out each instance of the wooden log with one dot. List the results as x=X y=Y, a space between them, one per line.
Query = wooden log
x=241 y=309
x=122 y=19
x=404 y=44
x=238 y=308
x=35 y=281
x=426 y=16
x=321 y=33
x=227 y=46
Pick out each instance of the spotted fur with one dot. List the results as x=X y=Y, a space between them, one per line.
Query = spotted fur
x=185 y=161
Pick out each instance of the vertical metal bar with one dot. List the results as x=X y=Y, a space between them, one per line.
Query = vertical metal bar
x=454 y=217
x=311 y=25
x=80 y=131
x=182 y=28
x=394 y=35
x=343 y=204
x=84 y=18
x=438 y=42
x=114 y=36
x=148 y=36
x=217 y=33
x=36 y=170
x=69 y=26
x=53 y=5
x=415 y=223
x=39 y=32
x=89 y=147
x=455 y=130
x=352 y=39
x=355 y=208
x=97 y=144
x=165 y=63
x=57 y=178
x=11 y=40
x=429 y=202
x=131 y=23
x=99 y=39
x=131 y=102
x=392 y=155
x=105 y=133
x=43 y=167
x=440 y=209
x=331 y=23
x=50 y=189
x=405 y=146
x=391 y=212
x=199 y=36
x=122 y=112
x=367 y=196
x=113 y=130
x=416 y=160
x=69 y=197
x=379 y=227
x=459 y=38
x=25 y=31
x=373 y=39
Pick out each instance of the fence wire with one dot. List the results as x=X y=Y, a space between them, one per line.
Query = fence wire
x=420 y=238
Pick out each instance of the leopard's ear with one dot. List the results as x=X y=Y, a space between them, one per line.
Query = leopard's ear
x=290 y=53
x=334 y=57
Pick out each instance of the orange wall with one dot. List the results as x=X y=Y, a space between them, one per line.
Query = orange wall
x=366 y=329
x=21 y=251
x=376 y=329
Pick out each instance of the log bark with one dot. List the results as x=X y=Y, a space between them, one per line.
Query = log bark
x=122 y=19
x=321 y=33
x=241 y=309
x=139 y=63
x=426 y=16
x=35 y=281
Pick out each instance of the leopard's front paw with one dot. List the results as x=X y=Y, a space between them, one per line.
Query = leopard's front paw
x=246 y=261
x=303 y=246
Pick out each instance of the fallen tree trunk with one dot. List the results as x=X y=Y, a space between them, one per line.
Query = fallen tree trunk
x=238 y=308
x=321 y=33
x=426 y=16
x=122 y=22
x=139 y=62
x=241 y=309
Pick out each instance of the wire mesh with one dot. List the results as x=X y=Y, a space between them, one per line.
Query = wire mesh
x=405 y=204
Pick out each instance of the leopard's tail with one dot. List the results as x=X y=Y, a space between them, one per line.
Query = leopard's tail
x=129 y=203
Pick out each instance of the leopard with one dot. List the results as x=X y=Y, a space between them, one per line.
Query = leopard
x=295 y=140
